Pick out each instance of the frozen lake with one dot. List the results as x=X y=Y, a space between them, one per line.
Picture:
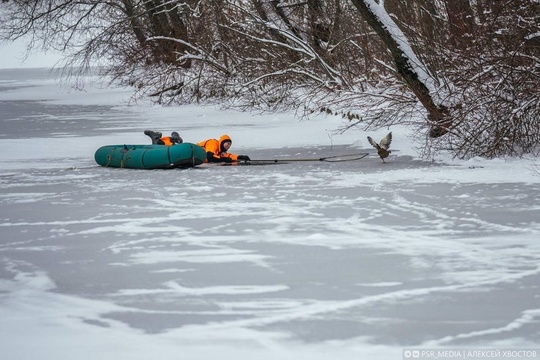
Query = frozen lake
x=308 y=260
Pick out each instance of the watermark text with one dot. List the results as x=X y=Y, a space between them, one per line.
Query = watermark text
x=472 y=354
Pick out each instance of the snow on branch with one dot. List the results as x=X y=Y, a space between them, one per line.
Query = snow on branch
x=300 y=46
x=418 y=67
x=205 y=56
x=284 y=72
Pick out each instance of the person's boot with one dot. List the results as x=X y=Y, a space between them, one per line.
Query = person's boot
x=176 y=138
x=154 y=135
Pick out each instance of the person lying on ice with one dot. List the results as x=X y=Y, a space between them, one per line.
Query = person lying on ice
x=216 y=150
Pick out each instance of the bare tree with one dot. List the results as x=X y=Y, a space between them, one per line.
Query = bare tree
x=408 y=65
x=459 y=68
x=497 y=96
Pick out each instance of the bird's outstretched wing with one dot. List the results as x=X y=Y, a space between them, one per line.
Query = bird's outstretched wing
x=386 y=141
x=373 y=143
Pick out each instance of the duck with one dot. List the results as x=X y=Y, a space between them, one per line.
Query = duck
x=382 y=147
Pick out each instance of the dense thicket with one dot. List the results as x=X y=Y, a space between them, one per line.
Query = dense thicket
x=468 y=69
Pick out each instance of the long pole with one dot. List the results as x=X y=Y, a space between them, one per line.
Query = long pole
x=336 y=158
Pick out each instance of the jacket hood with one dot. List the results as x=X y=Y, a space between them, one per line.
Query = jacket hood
x=223 y=139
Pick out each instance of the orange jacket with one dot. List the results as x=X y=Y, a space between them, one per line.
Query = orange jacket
x=215 y=151
x=166 y=140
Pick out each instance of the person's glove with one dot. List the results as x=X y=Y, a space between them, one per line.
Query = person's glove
x=243 y=158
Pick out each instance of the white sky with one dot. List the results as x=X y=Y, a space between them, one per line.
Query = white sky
x=12 y=56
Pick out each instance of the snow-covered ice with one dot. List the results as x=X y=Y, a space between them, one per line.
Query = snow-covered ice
x=307 y=260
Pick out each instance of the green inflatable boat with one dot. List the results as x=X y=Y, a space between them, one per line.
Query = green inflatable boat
x=150 y=156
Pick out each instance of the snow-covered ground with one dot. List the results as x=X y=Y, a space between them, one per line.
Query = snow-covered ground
x=306 y=260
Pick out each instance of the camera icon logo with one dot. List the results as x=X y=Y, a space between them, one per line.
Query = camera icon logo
x=411 y=354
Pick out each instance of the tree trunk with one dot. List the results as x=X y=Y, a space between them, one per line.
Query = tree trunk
x=164 y=21
x=319 y=29
x=178 y=30
x=136 y=25
x=437 y=114
x=261 y=11
x=461 y=20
